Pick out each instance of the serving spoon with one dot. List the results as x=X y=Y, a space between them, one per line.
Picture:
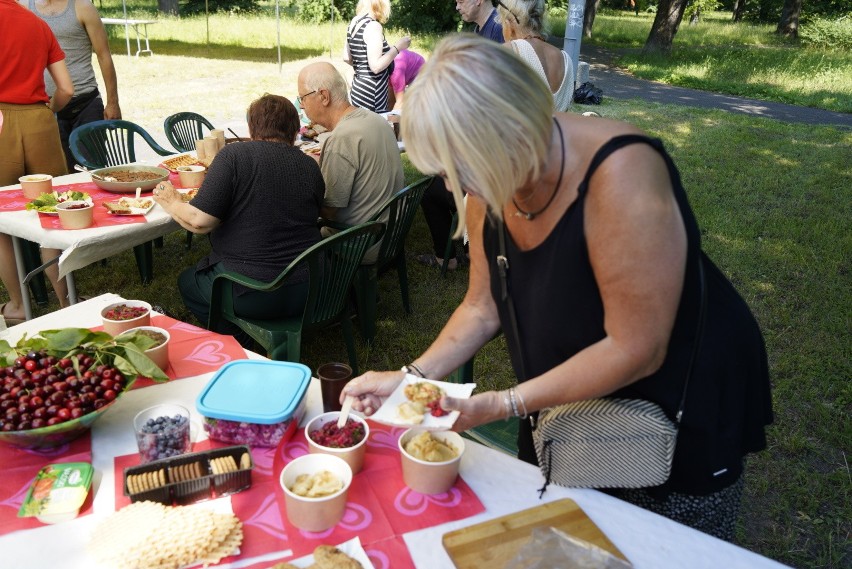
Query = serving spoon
x=80 y=168
x=344 y=412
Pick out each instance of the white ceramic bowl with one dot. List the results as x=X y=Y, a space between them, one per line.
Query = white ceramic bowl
x=354 y=455
x=191 y=176
x=34 y=185
x=430 y=477
x=315 y=514
x=158 y=354
x=76 y=214
x=116 y=327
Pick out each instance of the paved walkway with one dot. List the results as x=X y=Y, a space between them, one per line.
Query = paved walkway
x=619 y=84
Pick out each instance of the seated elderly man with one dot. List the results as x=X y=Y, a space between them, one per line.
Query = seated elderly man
x=360 y=161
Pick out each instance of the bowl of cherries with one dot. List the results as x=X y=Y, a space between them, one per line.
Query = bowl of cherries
x=54 y=387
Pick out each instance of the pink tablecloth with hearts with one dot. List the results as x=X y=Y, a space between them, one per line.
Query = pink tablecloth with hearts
x=379 y=509
x=14 y=200
x=192 y=351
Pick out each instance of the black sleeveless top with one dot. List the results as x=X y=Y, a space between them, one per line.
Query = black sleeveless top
x=560 y=312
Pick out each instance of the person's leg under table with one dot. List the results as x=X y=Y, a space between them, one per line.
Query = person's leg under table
x=438 y=209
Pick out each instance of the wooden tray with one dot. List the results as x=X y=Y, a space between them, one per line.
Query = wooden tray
x=495 y=542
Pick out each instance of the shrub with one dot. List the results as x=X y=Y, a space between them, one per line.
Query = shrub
x=424 y=16
x=821 y=32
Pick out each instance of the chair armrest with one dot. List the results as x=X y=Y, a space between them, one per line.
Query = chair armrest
x=323 y=222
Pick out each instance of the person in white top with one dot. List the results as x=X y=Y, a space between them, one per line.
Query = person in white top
x=523 y=30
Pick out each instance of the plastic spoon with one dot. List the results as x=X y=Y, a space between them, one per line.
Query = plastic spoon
x=344 y=412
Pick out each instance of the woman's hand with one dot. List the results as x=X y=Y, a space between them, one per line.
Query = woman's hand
x=369 y=389
x=480 y=409
x=402 y=44
x=166 y=194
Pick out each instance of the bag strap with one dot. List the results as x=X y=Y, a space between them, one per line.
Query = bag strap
x=503 y=270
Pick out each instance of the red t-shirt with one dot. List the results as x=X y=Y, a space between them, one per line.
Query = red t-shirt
x=27 y=47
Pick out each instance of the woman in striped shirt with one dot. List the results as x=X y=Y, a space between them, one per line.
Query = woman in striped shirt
x=371 y=56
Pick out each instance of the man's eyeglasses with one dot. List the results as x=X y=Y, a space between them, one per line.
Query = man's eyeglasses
x=300 y=98
x=500 y=3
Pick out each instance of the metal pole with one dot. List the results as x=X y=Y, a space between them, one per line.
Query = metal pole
x=278 y=27
x=331 y=35
x=574 y=32
x=126 y=28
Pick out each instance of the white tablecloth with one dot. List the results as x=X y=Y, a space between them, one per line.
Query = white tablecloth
x=503 y=484
x=83 y=247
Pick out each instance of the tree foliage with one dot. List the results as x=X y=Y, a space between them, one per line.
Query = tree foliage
x=212 y=6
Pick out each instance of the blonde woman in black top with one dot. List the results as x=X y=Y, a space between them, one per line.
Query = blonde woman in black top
x=603 y=255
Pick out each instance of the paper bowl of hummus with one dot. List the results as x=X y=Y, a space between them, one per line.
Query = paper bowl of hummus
x=430 y=460
x=315 y=490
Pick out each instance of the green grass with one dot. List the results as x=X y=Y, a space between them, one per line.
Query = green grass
x=773 y=201
x=737 y=59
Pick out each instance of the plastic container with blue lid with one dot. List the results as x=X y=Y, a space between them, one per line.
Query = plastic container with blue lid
x=258 y=403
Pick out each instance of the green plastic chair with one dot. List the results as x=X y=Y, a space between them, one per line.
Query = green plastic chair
x=332 y=264
x=101 y=144
x=399 y=211
x=183 y=129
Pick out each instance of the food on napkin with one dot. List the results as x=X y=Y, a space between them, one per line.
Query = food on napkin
x=147 y=534
x=46 y=203
x=318 y=485
x=425 y=411
x=422 y=397
x=426 y=447
x=326 y=557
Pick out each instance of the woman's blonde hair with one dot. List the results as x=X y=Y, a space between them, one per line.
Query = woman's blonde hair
x=479 y=116
x=529 y=14
x=379 y=10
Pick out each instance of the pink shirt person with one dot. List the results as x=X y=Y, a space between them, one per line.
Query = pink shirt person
x=405 y=68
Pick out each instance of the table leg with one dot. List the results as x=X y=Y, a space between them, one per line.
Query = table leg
x=72 y=288
x=19 y=263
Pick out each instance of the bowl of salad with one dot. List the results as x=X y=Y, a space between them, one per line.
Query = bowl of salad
x=47 y=202
x=349 y=442
x=121 y=316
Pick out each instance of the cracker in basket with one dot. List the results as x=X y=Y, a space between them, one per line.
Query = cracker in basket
x=245 y=461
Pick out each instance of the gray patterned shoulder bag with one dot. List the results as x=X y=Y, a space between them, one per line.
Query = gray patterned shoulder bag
x=607 y=442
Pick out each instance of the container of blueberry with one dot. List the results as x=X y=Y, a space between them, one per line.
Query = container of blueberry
x=162 y=431
x=258 y=403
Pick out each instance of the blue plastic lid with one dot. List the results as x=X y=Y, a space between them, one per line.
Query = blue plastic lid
x=255 y=391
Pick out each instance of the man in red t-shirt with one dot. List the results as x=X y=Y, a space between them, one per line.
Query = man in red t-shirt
x=29 y=139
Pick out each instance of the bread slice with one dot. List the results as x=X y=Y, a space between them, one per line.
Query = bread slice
x=117 y=208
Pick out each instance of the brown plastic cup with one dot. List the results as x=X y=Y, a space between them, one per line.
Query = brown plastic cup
x=333 y=376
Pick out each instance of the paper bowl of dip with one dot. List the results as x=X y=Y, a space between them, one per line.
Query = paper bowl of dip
x=34 y=185
x=315 y=490
x=348 y=443
x=121 y=316
x=430 y=460
x=75 y=214
x=159 y=352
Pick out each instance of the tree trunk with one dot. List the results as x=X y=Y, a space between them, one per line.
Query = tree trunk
x=664 y=28
x=788 y=25
x=589 y=17
x=696 y=17
x=168 y=6
x=739 y=8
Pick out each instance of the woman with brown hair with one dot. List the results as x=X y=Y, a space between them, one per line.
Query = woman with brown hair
x=259 y=202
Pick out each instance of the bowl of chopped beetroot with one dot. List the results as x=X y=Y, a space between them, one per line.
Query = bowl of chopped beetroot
x=121 y=316
x=348 y=442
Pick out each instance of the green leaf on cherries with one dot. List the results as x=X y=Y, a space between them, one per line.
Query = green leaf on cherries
x=126 y=354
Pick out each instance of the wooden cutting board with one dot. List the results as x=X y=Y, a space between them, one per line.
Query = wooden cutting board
x=495 y=542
